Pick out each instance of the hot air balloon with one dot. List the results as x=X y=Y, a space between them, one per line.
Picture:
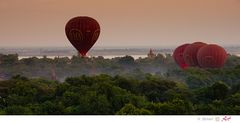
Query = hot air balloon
x=178 y=56
x=211 y=56
x=190 y=53
x=82 y=32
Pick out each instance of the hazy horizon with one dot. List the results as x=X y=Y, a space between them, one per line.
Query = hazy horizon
x=146 y=23
x=116 y=47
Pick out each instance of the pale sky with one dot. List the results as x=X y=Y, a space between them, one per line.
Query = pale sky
x=124 y=23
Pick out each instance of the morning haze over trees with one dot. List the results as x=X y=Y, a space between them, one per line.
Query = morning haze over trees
x=154 y=85
x=123 y=85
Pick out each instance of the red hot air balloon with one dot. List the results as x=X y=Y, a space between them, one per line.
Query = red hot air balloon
x=211 y=56
x=190 y=53
x=82 y=32
x=178 y=56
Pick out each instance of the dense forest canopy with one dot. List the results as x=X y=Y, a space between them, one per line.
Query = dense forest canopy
x=116 y=86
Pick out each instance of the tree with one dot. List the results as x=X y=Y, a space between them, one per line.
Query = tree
x=10 y=59
x=118 y=97
x=17 y=110
x=124 y=83
x=127 y=60
x=130 y=109
x=218 y=90
x=30 y=61
x=153 y=88
x=234 y=102
x=50 y=107
x=161 y=108
x=216 y=107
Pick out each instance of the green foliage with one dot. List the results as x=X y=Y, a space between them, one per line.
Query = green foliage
x=218 y=90
x=176 y=106
x=127 y=60
x=104 y=94
x=122 y=86
x=216 y=107
x=232 y=61
x=153 y=88
x=233 y=101
x=2 y=112
x=49 y=107
x=118 y=97
x=130 y=109
x=17 y=110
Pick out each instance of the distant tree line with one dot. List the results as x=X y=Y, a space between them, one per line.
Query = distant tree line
x=34 y=67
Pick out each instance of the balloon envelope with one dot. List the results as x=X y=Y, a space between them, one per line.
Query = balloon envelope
x=178 y=56
x=82 y=32
x=211 y=56
x=190 y=53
